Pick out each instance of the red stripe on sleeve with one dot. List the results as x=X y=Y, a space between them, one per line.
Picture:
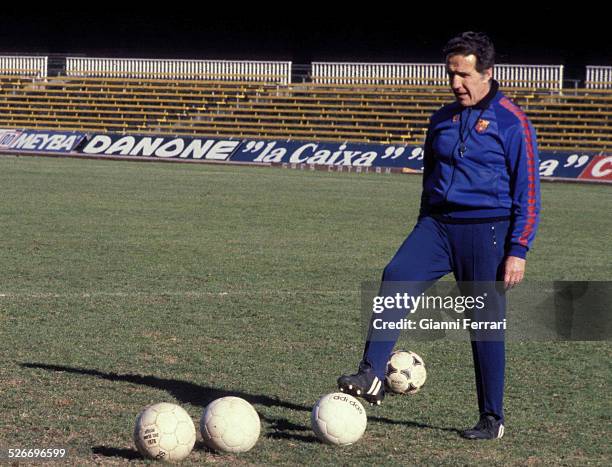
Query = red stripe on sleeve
x=531 y=197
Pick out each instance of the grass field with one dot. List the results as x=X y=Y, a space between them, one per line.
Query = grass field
x=125 y=284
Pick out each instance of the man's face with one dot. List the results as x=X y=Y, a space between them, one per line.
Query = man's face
x=468 y=85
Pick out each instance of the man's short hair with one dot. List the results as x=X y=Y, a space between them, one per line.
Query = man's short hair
x=472 y=43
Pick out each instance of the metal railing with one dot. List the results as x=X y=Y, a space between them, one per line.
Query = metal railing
x=419 y=74
x=379 y=73
x=35 y=67
x=533 y=76
x=548 y=77
x=598 y=77
x=223 y=70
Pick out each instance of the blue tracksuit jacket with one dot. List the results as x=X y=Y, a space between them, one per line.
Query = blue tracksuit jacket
x=482 y=162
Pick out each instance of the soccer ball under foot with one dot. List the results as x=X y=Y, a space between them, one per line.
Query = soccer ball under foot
x=406 y=373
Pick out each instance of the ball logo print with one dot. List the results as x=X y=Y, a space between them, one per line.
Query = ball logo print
x=406 y=373
x=338 y=419
x=230 y=424
x=164 y=431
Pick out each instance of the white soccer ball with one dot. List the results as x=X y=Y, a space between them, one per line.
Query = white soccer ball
x=339 y=419
x=164 y=431
x=406 y=372
x=230 y=424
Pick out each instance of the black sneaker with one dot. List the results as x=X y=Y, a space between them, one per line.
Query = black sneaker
x=364 y=384
x=488 y=427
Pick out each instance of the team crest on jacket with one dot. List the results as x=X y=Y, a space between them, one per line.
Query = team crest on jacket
x=456 y=118
x=482 y=125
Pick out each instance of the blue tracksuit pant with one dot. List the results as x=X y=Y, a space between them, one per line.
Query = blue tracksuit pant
x=472 y=252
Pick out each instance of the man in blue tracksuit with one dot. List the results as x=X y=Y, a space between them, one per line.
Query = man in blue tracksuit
x=479 y=215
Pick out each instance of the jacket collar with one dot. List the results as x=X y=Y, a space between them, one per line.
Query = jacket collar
x=486 y=100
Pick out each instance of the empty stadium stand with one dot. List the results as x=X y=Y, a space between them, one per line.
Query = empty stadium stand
x=267 y=105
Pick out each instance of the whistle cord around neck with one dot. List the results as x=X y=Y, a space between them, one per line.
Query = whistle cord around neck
x=465 y=137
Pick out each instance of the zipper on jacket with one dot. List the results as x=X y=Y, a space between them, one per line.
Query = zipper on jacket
x=453 y=162
x=452 y=180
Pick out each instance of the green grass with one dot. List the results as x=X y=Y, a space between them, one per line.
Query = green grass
x=125 y=284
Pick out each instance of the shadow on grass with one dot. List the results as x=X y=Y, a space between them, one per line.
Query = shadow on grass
x=107 y=451
x=293 y=437
x=184 y=391
x=133 y=454
x=196 y=394
x=412 y=424
x=281 y=429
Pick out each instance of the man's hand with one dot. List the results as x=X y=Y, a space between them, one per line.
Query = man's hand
x=514 y=271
